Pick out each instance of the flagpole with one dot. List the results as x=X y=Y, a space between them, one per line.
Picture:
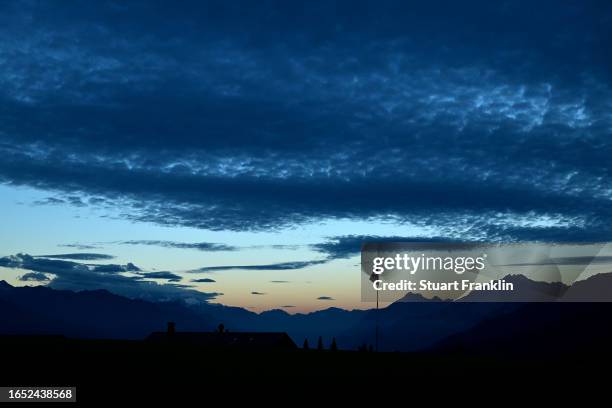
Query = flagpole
x=376 y=321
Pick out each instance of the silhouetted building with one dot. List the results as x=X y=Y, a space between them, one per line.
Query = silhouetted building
x=223 y=339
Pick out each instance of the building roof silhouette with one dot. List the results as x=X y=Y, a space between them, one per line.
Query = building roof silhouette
x=225 y=339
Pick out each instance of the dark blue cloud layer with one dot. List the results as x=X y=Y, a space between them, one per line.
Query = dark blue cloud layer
x=203 y=280
x=81 y=256
x=200 y=246
x=34 y=277
x=281 y=266
x=478 y=118
x=77 y=276
x=79 y=246
x=350 y=245
x=169 y=276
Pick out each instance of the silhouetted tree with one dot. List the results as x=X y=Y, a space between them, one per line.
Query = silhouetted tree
x=221 y=328
x=306 y=346
x=370 y=348
x=333 y=346
x=320 y=344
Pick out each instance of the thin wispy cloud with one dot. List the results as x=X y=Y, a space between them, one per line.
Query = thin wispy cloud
x=200 y=246
x=203 y=280
x=282 y=266
x=350 y=245
x=325 y=298
x=79 y=246
x=569 y=260
x=169 y=276
x=83 y=256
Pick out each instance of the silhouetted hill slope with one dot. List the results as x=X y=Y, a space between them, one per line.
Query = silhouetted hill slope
x=597 y=288
x=417 y=297
x=88 y=314
x=538 y=328
x=327 y=323
x=416 y=326
x=525 y=290
x=101 y=314
x=414 y=323
x=404 y=326
x=14 y=319
x=547 y=327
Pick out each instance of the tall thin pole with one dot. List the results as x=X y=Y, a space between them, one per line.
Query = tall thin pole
x=376 y=321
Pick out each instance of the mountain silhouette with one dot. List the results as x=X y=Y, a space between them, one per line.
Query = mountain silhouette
x=414 y=326
x=406 y=325
x=597 y=288
x=538 y=328
x=525 y=290
x=101 y=314
x=87 y=314
x=417 y=297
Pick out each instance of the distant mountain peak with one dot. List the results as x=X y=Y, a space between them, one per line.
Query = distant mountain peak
x=274 y=312
x=5 y=284
x=520 y=278
x=417 y=297
x=525 y=290
x=596 y=288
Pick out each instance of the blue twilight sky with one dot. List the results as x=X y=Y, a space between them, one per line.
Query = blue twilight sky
x=239 y=153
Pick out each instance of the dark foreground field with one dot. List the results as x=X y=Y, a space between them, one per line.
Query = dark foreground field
x=109 y=370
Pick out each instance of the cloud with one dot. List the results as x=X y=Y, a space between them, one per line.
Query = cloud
x=78 y=256
x=113 y=268
x=50 y=201
x=79 y=246
x=370 y=115
x=76 y=276
x=325 y=298
x=288 y=306
x=58 y=267
x=33 y=276
x=257 y=293
x=569 y=260
x=203 y=280
x=350 y=245
x=171 y=277
x=282 y=266
x=201 y=246
x=280 y=281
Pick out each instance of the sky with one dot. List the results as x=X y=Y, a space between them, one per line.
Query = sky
x=240 y=153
